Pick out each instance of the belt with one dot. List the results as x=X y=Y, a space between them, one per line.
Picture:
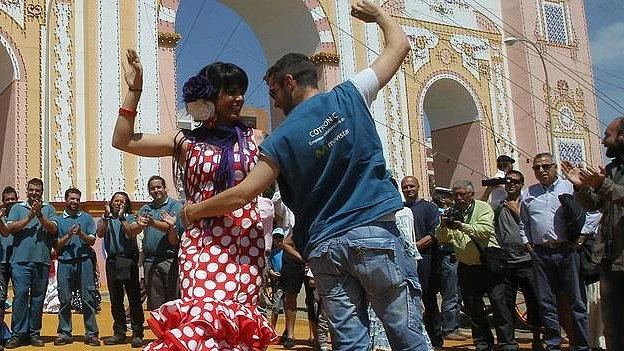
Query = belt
x=556 y=244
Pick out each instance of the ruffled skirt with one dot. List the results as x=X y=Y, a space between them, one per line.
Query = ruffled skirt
x=209 y=324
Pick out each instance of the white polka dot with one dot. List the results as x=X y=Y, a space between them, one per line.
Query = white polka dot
x=217 y=231
x=253 y=233
x=187 y=265
x=261 y=261
x=246 y=223
x=219 y=294
x=215 y=250
x=195 y=258
x=236 y=231
x=227 y=221
x=195 y=311
x=199 y=291
x=185 y=283
x=230 y=286
x=199 y=331
x=238 y=213
x=254 y=300
x=259 y=280
x=247 y=207
x=192 y=345
x=207 y=241
x=188 y=331
x=238 y=175
x=253 y=270
x=201 y=275
x=233 y=249
x=192 y=274
x=244 y=278
x=204 y=257
x=193 y=161
x=254 y=251
x=230 y=268
x=220 y=277
x=208 y=317
x=212 y=267
x=241 y=297
x=197 y=196
x=207 y=167
x=210 y=285
x=216 y=158
x=251 y=288
x=245 y=260
x=223 y=258
x=209 y=186
x=253 y=215
x=244 y=242
x=176 y=332
x=186 y=242
x=184 y=309
x=226 y=240
x=195 y=233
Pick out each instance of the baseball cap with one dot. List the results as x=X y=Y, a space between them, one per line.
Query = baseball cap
x=505 y=158
x=279 y=232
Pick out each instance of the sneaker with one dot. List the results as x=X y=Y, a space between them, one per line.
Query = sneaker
x=15 y=342
x=137 y=341
x=62 y=340
x=457 y=336
x=92 y=341
x=36 y=341
x=115 y=340
x=289 y=343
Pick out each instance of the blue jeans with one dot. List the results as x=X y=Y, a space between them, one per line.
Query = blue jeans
x=369 y=264
x=611 y=293
x=77 y=273
x=557 y=271
x=30 y=281
x=450 y=293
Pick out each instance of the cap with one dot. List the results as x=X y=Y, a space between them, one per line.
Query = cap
x=278 y=232
x=505 y=158
x=443 y=190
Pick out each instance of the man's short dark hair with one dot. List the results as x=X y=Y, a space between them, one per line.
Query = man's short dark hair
x=156 y=177
x=298 y=66
x=72 y=191
x=36 y=181
x=518 y=173
x=9 y=190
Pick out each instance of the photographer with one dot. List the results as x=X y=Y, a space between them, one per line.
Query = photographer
x=495 y=186
x=464 y=225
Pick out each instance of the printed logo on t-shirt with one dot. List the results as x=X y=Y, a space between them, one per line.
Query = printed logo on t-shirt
x=327 y=134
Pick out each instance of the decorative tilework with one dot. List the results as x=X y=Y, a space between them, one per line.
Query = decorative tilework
x=572 y=150
x=555 y=23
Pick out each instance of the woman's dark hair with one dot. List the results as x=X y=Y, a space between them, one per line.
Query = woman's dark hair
x=128 y=207
x=208 y=84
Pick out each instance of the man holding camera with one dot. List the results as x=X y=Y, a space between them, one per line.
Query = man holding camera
x=495 y=186
x=160 y=245
x=467 y=224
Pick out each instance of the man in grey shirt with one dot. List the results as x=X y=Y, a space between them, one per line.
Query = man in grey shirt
x=520 y=273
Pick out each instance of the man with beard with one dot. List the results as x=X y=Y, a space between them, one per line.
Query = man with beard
x=119 y=229
x=160 y=245
x=603 y=189
x=76 y=231
x=543 y=230
x=33 y=233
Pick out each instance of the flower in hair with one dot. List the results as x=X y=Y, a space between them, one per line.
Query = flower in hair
x=197 y=87
x=201 y=110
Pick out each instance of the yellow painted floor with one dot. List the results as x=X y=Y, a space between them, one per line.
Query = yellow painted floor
x=105 y=324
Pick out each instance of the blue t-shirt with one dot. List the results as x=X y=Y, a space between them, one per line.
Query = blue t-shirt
x=156 y=245
x=117 y=242
x=33 y=243
x=75 y=247
x=426 y=219
x=333 y=173
x=276 y=259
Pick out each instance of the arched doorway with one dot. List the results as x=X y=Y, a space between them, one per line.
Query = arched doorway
x=9 y=74
x=453 y=114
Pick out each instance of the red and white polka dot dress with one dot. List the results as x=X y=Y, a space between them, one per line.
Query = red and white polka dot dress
x=221 y=261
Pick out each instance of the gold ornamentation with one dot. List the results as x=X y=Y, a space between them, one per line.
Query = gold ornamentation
x=421 y=42
x=446 y=56
x=35 y=12
x=168 y=39
x=325 y=58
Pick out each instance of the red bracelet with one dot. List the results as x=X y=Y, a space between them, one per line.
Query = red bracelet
x=126 y=112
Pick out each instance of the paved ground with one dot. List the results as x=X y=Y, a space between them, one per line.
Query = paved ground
x=105 y=324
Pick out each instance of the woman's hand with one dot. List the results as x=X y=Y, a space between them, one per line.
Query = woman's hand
x=133 y=71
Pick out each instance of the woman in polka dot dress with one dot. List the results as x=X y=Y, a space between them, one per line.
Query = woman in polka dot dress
x=221 y=258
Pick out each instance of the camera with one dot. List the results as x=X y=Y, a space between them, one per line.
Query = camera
x=494 y=181
x=451 y=215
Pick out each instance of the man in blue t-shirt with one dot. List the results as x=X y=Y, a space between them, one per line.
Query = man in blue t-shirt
x=9 y=198
x=160 y=245
x=329 y=163
x=76 y=235
x=30 y=223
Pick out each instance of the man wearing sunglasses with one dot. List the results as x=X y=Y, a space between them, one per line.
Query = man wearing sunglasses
x=543 y=230
x=520 y=270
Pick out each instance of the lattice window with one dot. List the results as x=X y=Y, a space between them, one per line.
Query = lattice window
x=556 y=29
x=572 y=150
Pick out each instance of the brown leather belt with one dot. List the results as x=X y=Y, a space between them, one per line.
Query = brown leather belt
x=555 y=244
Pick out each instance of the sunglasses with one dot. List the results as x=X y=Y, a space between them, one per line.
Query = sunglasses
x=545 y=167
x=513 y=181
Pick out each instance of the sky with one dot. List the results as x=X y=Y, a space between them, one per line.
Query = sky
x=212 y=32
